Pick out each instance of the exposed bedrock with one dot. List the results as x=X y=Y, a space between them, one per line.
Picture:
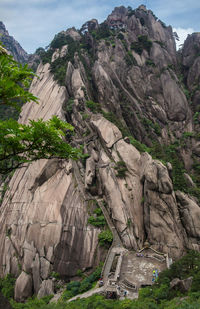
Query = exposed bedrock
x=44 y=215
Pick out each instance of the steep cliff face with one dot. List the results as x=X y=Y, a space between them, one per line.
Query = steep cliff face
x=129 y=66
x=12 y=45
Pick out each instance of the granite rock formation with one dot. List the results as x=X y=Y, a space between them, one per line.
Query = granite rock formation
x=12 y=45
x=128 y=65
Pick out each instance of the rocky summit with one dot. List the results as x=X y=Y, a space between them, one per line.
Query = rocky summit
x=12 y=45
x=134 y=102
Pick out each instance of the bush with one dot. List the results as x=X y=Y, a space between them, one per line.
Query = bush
x=98 y=221
x=121 y=169
x=105 y=238
x=139 y=146
x=32 y=303
x=120 y=36
x=94 y=107
x=60 y=40
x=69 y=106
x=102 y=32
x=143 y=43
x=129 y=58
x=55 y=275
x=150 y=63
x=75 y=287
x=7 y=286
x=187 y=266
x=142 y=21
x=196 y=282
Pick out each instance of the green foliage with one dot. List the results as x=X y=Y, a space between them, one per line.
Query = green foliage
x=69 y=106
x=163 y=24
x=120 y=36
x=130 y=11
x=129 y=58
x=187 y=266
x=55 y=275
x=105 y=238
x=59 y=66
x=98 y=211
x=94 y=107
x=149 y=124
x=196 y=117
x=32 y=303
x=98 y=221
x=7 y=286
x=121 y=169
x=129 y=222
x=150 y=63
x=102 y=32
x=15 y=79
x=139 y=146
x=20 y=144
x=75 y=287
x=46 y=56
x=170 y=153
x=196 y=280
x=162 y=44
x=85 y=116
x=5 y=185
x=188 y=134
x=79 y=273
x=125 y=45
x=157 y=296
x=60 y=40
x=137 y=47
x=114 y=119
x=142 y=21
x=143 y=43
x=39 y=51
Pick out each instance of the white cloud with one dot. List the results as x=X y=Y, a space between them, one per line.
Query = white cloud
x=182 y=34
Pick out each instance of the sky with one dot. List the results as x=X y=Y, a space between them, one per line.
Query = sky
x=33 y=23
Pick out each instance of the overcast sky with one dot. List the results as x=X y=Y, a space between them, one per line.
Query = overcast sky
x=34 y=23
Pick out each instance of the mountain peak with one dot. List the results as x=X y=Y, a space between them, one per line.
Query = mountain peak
x=12 y=45
x=3 y=29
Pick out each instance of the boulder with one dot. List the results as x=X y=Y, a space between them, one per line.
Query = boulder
x=181 y=285
x=23 y=287
x=46 y=288
x=45 y=268
x=109 y=133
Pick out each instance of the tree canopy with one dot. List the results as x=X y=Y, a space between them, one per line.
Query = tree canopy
x=20 y=143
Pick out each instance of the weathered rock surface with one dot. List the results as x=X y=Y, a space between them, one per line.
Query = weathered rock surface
x=23 y=287
x=46 y=288
x=12 y=45
x=181 y=285
x=48 y=214
x=44 y=214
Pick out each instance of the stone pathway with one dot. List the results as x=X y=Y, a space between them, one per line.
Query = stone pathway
x=116 y=247
x=130 y=273
x=88 y=293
